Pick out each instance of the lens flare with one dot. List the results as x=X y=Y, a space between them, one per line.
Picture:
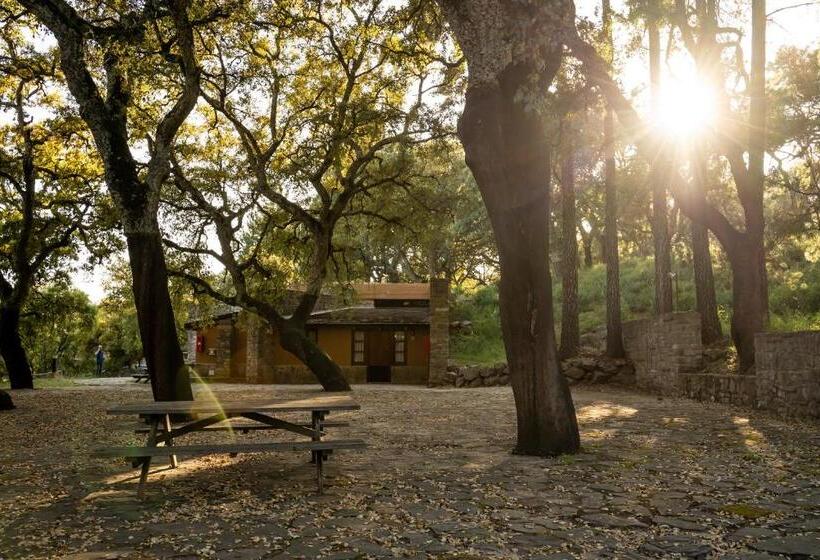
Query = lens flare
x=686 y=109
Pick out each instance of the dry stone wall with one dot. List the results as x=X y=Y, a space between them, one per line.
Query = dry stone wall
x=663 y=349
x=788 y=372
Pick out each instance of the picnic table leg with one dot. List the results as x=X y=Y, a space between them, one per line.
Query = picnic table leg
x=319 y=460
x=317 y=420
x=169 y=442
x=317 y=423
x=146 y=461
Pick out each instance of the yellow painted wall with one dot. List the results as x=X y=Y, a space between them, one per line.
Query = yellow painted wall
x=335 y=341
x=239 y=352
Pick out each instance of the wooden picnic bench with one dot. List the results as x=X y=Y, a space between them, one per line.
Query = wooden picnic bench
x=216 y=416
x=141 y=377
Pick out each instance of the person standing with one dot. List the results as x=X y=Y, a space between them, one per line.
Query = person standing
x=100 y=355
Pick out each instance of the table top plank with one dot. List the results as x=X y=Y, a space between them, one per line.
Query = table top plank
x=219 y=448
x=321 y=403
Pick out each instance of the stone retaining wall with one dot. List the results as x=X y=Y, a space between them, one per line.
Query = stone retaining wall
x=711 y=387
x=662 y=349
x=788 y=372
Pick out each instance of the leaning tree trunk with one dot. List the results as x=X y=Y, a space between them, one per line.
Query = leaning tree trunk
x=294 y=339
x=12 y=351
x=170 y=380
x=513 y=52
x=570 y=332
x=507 y=151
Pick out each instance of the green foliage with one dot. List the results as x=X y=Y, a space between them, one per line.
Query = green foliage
x=481 y=343
x=58 y=322
x=794 y=298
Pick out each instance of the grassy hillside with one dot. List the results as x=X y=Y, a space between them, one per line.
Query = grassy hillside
x=794 y=302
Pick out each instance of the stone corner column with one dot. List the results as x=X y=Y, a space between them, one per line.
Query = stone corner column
x=439 y=331
x=253 y=356
x=190 y=347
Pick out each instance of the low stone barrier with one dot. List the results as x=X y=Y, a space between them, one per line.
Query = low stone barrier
x=581 y=369
x=722 y=388
x=788 y=372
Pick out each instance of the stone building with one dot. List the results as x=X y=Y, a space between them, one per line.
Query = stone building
x=391 y=333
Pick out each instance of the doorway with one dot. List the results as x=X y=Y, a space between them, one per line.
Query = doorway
x=379 y=355
x=378 y=374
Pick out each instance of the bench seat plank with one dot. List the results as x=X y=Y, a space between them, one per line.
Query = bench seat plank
x=242 y=427
x=323 y=403
x=219 y=448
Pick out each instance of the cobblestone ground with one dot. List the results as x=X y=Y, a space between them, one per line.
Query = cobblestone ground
x=656 y=479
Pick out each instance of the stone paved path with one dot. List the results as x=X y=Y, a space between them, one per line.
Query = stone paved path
x=657 y=479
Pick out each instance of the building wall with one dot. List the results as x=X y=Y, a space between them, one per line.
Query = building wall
x=216 y=357
x=248 y=350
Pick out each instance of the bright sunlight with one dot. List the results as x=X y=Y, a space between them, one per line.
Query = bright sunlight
x=686 y=108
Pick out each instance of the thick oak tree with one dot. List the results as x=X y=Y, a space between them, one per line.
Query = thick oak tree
x=48 y=187
x=102 y=42
x=309 y=108
x=513 y=51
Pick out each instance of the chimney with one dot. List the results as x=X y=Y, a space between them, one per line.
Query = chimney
x=439 y=331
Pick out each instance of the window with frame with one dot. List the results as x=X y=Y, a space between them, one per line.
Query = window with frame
x=399 y=347
x=358 y=347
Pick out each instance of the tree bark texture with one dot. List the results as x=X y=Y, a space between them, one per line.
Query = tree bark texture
x=614 y=334
x=705 y=297
x=659 y=177
x=710 y=330
x=513 y=51
x=169 y=375
x=12 y=351
x=570 y=332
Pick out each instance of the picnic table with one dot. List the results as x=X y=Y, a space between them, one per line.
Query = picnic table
x=219 y=416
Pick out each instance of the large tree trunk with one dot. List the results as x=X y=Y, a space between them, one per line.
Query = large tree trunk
x=11 y=348
x=5 y=401
x=586 y=241
x=294 y=339
x=507 y=151
x=570 y=334
x=170 y=380
x=614 y=334
x=710 y=330
x=659 y=177
x=513 y=53
x=748 y=311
